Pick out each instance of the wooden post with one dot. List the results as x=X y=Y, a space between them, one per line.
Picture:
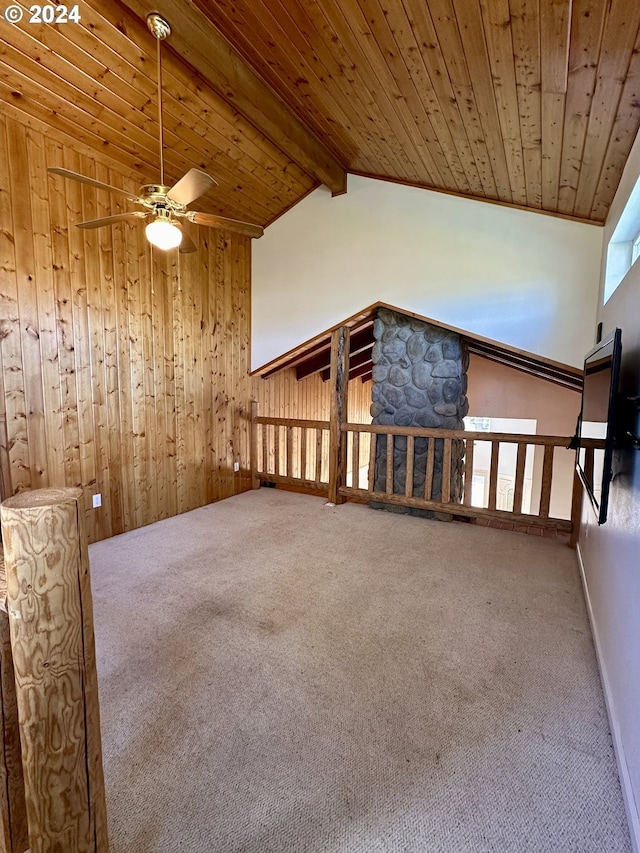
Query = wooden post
x=255 y=480
x=576 y=509
x=339 y=379
x=51 y=624
x=13 y=809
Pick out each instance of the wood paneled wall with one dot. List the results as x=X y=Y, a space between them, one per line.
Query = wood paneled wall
x=282 y=396
x=121 y=373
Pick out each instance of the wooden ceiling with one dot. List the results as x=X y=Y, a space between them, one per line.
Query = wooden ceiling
x=94 y=84
x=528 y=102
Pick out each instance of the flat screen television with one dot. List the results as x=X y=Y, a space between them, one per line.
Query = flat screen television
x=598 y=420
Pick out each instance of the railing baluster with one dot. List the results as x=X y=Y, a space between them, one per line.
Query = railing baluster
x=265 y=448
x=468 y=470
x=493 y=475
x=289 y=451
x=428 y=482
x=276 y=449
x=408 y=488
x=303 y=453
x=519 y=484
x=547 y=476
x=318 y=456
x=372 y=461
x=355 y=460
x=389 y=479
x=446 y=471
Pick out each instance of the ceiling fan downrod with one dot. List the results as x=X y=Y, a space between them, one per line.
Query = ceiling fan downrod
x=159 y=27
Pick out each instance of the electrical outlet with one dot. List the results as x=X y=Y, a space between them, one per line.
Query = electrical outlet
x=97 y=501
x=236 y=467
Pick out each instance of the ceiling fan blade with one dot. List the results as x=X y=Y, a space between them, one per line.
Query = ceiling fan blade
x=191 y=186
x=76 y=176
x=187 y=244
x=111 y=220
x=212 y=221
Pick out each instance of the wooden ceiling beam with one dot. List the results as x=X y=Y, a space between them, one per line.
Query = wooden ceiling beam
x=361 y=341
x=198 y=42
x=359 y=363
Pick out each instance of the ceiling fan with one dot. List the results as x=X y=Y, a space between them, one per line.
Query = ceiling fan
x=166 y=206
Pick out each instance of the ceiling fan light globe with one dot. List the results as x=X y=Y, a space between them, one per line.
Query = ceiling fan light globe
x=164 y=235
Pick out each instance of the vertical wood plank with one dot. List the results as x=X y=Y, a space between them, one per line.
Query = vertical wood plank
x=52 y=461
x=162 y=448
x=125 y=390
x=111 y=263
x=81 y=205
x=150 y=384
x=26 y=416
x=182 y=499
x=255 y=480
x=99 y=284
x=13 y=405
x=208 y=338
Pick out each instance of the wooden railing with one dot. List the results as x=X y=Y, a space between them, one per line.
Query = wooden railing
x=296 y=452
x=291 y=451
x=442 y=442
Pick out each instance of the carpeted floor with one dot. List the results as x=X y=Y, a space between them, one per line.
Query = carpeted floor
x=267 y=687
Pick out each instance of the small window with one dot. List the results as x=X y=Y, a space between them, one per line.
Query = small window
x=624 y=247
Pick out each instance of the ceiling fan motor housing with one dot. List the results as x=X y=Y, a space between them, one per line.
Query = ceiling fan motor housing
x=158 y=26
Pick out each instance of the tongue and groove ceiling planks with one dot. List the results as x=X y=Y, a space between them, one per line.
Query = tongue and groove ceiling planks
x=534 y=103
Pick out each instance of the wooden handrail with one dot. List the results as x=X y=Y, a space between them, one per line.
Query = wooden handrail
x=516 y=438
x=419 y=432
x=294 y=422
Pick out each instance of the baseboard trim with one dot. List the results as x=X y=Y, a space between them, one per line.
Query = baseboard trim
x=625 y=780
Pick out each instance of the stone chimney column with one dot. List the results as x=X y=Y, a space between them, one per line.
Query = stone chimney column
x=420 y=380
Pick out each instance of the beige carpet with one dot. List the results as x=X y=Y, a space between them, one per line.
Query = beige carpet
x=266 y=689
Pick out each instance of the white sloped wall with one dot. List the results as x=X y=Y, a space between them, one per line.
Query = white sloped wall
x=522 y=278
